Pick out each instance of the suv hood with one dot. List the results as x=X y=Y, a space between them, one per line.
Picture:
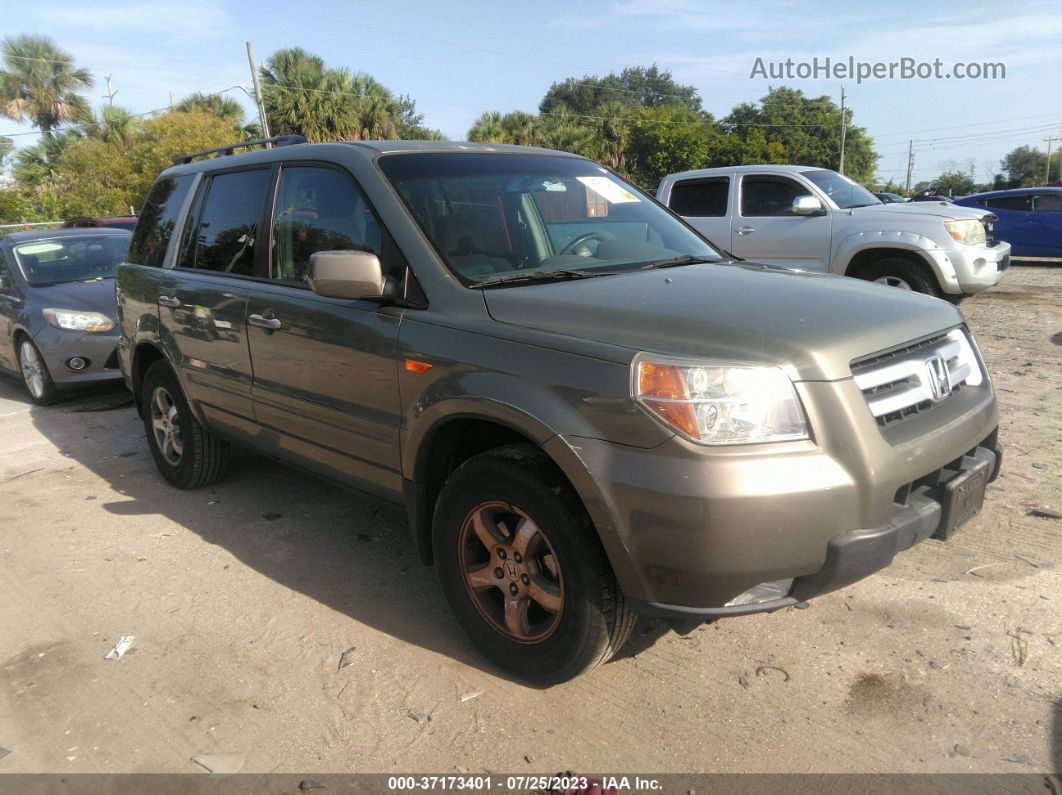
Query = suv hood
x=937 y=209
x=813 y=324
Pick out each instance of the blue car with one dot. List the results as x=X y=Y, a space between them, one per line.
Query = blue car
x=1030 y=219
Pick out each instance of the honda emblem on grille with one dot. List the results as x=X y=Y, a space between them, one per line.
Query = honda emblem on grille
x=939 y=378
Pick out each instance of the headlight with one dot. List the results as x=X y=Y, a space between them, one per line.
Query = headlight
x=719 y=404
x=972 y=233
x=72 y=320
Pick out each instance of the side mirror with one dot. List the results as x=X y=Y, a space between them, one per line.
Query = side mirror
x=808 y=205
x=346 y=274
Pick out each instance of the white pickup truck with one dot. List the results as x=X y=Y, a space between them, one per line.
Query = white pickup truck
x=815 y=219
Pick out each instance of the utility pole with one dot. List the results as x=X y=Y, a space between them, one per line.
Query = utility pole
x=1047 y=169
x=110 y=94
x=910 y=163
x=257 y=92
x=844 y=131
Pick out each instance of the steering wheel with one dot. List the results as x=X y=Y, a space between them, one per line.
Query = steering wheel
x=580 y=243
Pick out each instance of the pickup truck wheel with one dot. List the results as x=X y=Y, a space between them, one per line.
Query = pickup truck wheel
x=901 y=273
x=523 y=569
x=187 y=454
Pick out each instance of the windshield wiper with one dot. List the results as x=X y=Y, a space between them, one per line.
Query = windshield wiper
x=534 y=277
x=674 y=262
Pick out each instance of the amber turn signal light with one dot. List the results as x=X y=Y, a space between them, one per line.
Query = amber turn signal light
x=417 y=366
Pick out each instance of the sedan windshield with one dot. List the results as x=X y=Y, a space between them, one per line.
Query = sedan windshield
x=71 y=259
x=845 y=193
x=496 y=217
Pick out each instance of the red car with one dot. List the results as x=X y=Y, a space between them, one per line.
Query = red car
x=112 y=222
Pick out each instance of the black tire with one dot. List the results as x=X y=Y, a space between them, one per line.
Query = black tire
x=202 y=456
x=917 y=278
x=35 y=376
x=593 y=622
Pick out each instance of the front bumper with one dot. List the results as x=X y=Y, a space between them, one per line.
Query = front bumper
x=688 y=528
x=979 y=267
x=58 y=346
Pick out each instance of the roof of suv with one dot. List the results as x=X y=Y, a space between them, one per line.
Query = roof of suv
x=370 y=148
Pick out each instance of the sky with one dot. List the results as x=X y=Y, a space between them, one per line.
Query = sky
x=458 y=59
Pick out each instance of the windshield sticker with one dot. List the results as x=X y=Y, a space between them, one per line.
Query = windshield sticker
x=608 y=189
x=554 y=186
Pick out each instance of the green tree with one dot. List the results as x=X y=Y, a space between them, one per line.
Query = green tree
x=1026 y=167
x=807 y=130
x=114 y=124
x=38 y=164
x=305 y=97
x=14 y=207
x=666 y=139
x=637 y=86
x=955 y=183
x=222 y=107
x=39 y=82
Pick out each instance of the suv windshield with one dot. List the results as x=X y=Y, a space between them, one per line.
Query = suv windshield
x=496 y=217
x=71 y=259
x=841 y=190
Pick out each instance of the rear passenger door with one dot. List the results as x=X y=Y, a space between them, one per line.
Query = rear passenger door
x=704 y=204
x=1014 y=222
x=765 y=229
x=10 y=304
x=203 y=300
x=325 y=378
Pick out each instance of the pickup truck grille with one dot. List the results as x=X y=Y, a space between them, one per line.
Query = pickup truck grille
x=917 y=377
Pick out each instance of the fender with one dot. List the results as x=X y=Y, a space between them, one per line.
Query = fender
x=927 y=251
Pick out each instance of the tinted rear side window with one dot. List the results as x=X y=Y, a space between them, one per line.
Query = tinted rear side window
x=769 y=196
x=158 y=220
x=228 y=227
x=1019 y=203
x=701 y=198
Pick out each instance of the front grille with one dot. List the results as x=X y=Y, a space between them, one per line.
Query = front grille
x=916 y=377
x=112 y=361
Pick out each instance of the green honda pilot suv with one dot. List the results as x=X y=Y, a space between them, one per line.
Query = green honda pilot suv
x=588 y=411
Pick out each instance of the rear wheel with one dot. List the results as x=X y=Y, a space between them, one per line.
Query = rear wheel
x=523 y=570
x=902 y=274
x=186 y=453
x=35 y=374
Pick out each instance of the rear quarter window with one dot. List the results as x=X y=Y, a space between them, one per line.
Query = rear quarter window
x=700 y=198
x=159 y=218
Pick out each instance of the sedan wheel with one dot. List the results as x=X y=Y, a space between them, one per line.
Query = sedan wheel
x=166 y=424
x=35 y=375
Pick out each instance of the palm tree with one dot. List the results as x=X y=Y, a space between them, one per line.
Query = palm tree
x=304 y=97
x=487 y=128
x=38 y=165
x=39 y=82
x=114 y=125
x=222 y=107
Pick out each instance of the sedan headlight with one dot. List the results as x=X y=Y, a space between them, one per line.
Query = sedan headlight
x=715 y=403
x=73 y=320
x=970 y=232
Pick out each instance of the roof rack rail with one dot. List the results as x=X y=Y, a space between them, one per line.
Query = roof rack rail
x=278 y=140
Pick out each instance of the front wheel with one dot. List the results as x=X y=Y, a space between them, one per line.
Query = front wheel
x=902 y=274
x=523 y=570
x=35 y=375
x=186 y=453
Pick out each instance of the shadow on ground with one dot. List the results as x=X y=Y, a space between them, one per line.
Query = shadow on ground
x=346 y=550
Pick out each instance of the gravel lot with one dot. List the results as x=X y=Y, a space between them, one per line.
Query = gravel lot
x=243 y=597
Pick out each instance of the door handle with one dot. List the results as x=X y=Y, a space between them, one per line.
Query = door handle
x=169 y=300
x=745 y=230
x=261 y=321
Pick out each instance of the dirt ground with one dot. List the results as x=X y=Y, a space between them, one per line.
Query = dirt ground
x=243 y=597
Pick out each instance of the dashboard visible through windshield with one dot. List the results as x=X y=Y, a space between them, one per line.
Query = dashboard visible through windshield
x=498 y=216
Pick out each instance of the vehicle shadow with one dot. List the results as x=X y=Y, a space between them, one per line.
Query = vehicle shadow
x=344 y=549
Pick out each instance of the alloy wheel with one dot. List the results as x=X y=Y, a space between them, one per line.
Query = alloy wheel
x=166 y=423
x=32 y=369
x=893 y=281
x=511 y=572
